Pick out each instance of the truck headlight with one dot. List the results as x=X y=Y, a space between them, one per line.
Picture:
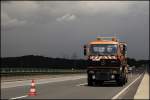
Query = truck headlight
x=93 y=76
x=114 y=72
x=120 y=68
x=91 y=72
x=112 y=76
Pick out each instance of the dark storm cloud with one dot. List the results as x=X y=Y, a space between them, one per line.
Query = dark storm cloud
x=57 y=29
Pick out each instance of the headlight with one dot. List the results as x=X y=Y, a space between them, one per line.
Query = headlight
x=91 y=72
x=114 y=72
x=93 y=76
x=120 y=68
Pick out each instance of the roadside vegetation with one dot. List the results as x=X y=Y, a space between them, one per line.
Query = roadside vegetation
x=32 y=64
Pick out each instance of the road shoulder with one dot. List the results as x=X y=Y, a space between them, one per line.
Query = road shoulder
x=143 y=89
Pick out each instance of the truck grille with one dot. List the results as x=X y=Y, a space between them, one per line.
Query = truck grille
x=104 y=63
x=102 y=76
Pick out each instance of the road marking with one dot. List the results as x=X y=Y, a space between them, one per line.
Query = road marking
x=40 y=81
x=19 y=97
x=143 y=89
x=117 y=95
x=81 y=84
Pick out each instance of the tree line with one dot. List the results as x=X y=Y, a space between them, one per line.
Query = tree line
x=47 y=62
x=43 y=62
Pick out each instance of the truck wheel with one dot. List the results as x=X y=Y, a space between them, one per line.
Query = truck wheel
x=120 y=82
x=90 y=80
x=126 y=80
x=90 y=83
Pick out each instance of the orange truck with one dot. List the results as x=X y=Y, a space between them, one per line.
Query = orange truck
x=107 y=60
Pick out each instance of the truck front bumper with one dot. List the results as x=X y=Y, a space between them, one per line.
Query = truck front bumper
x=103 y=76
x=104 y=73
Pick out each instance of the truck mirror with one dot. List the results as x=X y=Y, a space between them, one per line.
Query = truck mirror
x=85 y=52
x=124 y=49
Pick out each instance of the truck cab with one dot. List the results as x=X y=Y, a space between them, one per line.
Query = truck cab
x=107 y=60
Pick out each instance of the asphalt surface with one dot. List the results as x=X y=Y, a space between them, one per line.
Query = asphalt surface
x=76 y=89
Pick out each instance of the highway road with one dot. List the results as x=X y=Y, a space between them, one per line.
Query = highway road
x=72 y=87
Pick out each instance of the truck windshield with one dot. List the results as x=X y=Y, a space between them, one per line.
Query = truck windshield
x=103 y=49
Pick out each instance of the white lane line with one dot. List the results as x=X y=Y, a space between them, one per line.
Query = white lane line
x=81 y=84
x=19 y=97
x=40 y=81
x=117 y=95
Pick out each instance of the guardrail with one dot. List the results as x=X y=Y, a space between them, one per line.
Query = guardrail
x=28 y=70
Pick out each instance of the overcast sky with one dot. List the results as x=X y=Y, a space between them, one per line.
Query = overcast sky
x=60 y=29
